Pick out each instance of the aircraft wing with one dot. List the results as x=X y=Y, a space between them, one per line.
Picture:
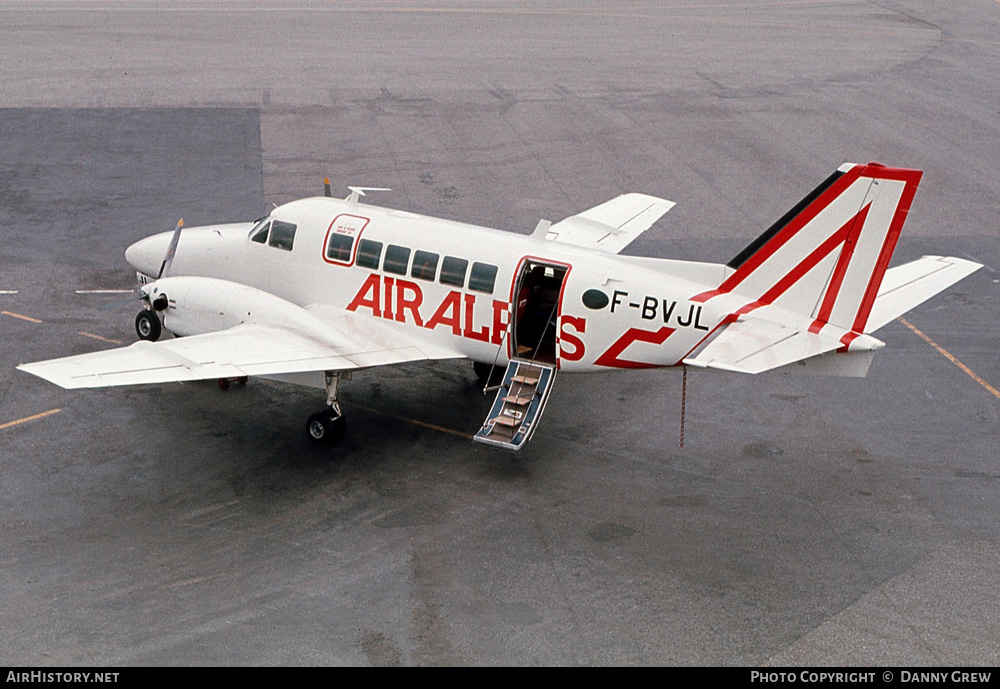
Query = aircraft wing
x=611 y=226
x=244 y=350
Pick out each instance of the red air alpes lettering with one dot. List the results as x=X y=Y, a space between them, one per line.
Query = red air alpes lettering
x=577 y=348
x=400 y=300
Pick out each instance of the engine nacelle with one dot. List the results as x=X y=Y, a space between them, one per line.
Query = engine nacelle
x=197 y=305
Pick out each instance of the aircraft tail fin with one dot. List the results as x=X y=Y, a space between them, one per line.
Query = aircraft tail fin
x=827 y=256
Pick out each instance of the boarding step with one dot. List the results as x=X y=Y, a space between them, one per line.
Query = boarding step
x=518 y=405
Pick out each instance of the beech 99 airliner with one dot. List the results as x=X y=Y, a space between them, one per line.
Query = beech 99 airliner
x=322 y=287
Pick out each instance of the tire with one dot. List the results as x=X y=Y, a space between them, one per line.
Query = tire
x=322 y=429
x=147 y=326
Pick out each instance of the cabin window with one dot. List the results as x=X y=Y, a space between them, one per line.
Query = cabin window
x=282 y=235
x=425 y=265
x=369 y=253
x=396 y=259
x=339 y=247
x=483 y=277
x=259 y=232
x=453 y=271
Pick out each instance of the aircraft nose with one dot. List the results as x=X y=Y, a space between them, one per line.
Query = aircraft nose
x=147 y=254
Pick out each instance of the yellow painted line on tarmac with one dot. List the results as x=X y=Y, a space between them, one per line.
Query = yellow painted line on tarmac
x=26 y=419
x=947 y=355
x=432 y=426
x=17 y=315
x=98 y=337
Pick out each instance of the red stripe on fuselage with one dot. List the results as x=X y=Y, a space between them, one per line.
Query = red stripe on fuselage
x=610 y=357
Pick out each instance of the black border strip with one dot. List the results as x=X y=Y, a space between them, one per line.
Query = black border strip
x=783 y=221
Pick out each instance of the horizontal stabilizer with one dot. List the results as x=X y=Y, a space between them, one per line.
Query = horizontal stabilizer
x=841 y=364
x=755 y=345
x=908 y=285
x=611 y=226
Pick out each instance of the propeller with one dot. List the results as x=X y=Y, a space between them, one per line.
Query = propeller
x=168 y=258
x=159 y=303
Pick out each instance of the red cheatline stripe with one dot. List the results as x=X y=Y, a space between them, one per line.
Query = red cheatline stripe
x=789 y=231
x=837 y=280
x=610 y=357
x=911 y=178
x=847 y=339
x=804 y=266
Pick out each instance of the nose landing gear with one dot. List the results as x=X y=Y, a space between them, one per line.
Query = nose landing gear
x=147 y=322
x=147 y=325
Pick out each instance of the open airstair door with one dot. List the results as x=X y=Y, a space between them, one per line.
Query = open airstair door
x=518 y=406
x=533 y=353
x=537 y=295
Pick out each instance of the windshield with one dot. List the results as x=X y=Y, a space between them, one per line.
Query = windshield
x=259 y=231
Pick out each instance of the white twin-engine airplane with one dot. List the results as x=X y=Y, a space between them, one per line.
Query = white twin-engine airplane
x=322 y=287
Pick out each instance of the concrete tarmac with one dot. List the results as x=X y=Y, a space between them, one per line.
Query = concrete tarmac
x=806 y=521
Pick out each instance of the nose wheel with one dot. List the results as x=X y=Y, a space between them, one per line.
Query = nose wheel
x=147 y=325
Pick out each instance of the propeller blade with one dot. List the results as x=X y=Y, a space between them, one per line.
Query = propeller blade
x=171 y=250
x=326 y=187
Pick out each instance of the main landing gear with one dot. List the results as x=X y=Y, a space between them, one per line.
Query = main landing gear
x=326 y=427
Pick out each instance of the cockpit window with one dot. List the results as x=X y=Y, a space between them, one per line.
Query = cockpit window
x=282 y=235
x=259 y=232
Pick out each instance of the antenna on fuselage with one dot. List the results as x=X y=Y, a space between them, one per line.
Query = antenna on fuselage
x=360 y=191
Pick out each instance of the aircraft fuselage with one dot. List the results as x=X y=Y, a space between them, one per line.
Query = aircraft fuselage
x=487 y=294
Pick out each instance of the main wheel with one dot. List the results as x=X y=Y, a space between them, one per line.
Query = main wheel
x=147 y=325
x=322 y=428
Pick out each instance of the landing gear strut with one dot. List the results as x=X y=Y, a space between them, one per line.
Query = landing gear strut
x=327 y=426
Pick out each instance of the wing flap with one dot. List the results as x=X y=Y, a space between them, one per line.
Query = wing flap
x=611 y=226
